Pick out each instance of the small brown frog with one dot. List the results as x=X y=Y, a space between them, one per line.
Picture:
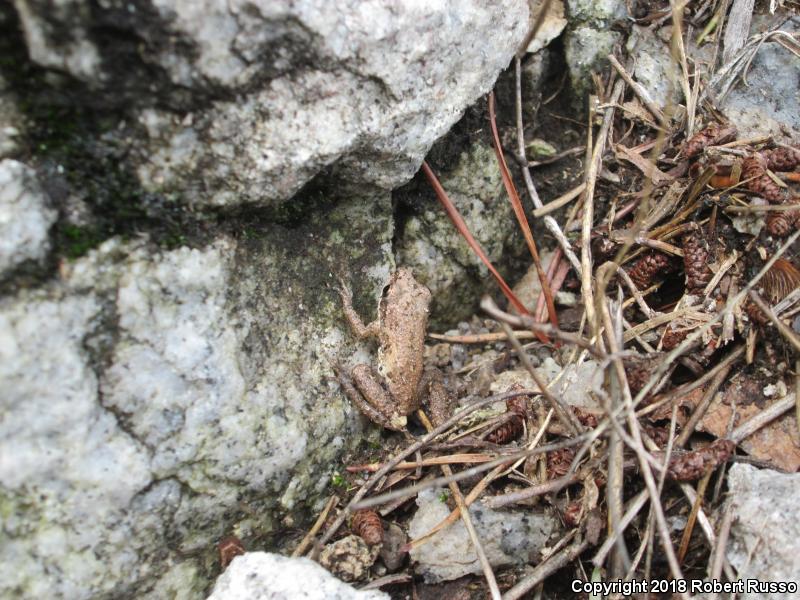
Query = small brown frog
x=400 y=330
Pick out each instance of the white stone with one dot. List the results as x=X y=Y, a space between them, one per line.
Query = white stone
x=765 y=535
x=25 y=216
x=148 y=394
x=552 y=25
x=286 y=90
x=508 y=537
x=265 y=576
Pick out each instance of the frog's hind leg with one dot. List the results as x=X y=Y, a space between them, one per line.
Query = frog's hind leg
x=378 y=408
x=435 y=396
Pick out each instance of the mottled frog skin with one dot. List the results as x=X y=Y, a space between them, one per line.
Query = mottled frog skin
x=390 y=395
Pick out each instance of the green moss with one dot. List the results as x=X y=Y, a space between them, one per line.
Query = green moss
x=81 y=152
x=74 y=241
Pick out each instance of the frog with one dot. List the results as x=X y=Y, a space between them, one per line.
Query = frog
x=388 y=394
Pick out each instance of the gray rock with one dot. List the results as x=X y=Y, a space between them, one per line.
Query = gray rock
x=272 y=94
x=586 y=50
x=598 y=13
x=12 y=126
x=394 y=539
x=770 y=102
x=765 y=536
x=25 y=216
x=154 y=395
x=349 y=558
x=573 y=387
x=507 y=537
x=654 y=68
x=264 y=576
x=437 y=253
x=551 y=27
x=589 y=40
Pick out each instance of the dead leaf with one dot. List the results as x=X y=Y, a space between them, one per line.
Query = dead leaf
x=777 y=443
x=649 y=170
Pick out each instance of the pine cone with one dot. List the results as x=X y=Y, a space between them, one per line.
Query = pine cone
x=783 y=158
x=559 y=461
x=517 y=410
x=712 y=135
x=367 y=525
x=693 y=465
x=674 y=334
x=639 y=369
x=586 y=418
x=508 y=431
x=756 y=315
x=229 y=548
x=754 y=171
x=781 y=224
x=660 y=435
x=647 y=267
x=572 y=513
x=695 y=263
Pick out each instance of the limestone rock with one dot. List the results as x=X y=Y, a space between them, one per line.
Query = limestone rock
x=508 y=537
x=768 y=104
x=437 y=253
x=265 y=576
x=765 y=536
x=149 y=395
x=349 y=558
x=268 y=95
x=25 y=216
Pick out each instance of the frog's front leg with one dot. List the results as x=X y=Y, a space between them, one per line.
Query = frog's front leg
x=356 y=324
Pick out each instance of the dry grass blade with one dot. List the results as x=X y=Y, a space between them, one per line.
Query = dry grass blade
x=462 y=228
x=784 y=329
x=702 y=330
x=702 y=407
x=639 y=90
x=491 y=581
x=738 y=28
x=519 y=212
x=480 y=338
x=648 y=168
x=727 y=76
x=562 y=200
x=549 y=222
x=450 y=459
x=718 y=552
x=563 y=412
x=467 y=473
x=687 y=532
x=767 y=415
x=389 y=465
x=592 y=171
x=453 y=516
x=635 y=505
x=603 y=276
x=392 y=579
x=306 y=541
x=488 y=305
x=679 y=52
